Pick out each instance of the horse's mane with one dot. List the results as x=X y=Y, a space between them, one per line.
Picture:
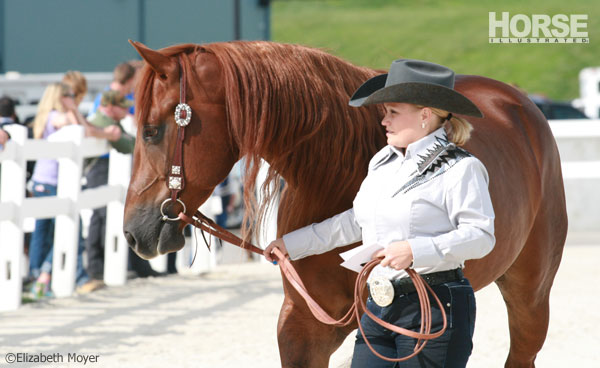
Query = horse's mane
x=288 y=104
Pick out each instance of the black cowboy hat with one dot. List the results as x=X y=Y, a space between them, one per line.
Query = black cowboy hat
x=417 y=82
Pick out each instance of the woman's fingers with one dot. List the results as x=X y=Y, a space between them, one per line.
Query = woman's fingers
x=277 y=243
x=267 y=252
x=378 y=254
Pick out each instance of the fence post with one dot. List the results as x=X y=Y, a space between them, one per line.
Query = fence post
x=12 y=190
x=116 y=249
x=66 y=231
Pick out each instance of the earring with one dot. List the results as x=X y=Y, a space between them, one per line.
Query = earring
x=423 y=125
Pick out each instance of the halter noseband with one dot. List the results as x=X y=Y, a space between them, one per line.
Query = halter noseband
x=183 y=116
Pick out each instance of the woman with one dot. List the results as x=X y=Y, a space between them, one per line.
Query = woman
x=52 y=114
x=78 y=84
x=425 y=202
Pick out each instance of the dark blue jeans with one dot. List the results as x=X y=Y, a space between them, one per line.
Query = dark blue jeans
x=450 y=350
x=42 y=239
x=41 y=248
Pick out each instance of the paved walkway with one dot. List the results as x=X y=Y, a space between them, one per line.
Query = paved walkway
x=228 y=319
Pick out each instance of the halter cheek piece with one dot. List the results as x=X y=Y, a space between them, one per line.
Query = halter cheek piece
x=176 y=181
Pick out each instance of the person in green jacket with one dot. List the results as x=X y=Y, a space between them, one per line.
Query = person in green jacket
x=113 y=107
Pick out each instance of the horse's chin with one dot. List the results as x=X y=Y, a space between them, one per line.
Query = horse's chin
x=170 y=239
x=154 y=239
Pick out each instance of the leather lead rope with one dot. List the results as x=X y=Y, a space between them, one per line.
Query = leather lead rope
x=354 y=313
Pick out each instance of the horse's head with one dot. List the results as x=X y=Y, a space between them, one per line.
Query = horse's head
x=208 y=150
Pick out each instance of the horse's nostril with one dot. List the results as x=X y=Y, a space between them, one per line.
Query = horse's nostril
x=130 y=238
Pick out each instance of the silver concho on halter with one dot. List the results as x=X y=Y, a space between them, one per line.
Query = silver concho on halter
x=183 y=114
x=175 y=181
x=382 y=291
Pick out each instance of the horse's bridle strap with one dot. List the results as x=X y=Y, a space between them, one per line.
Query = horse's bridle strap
x=201 y=221
x=175 y=177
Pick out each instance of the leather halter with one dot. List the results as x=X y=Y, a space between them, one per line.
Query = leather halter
x=176 y=179
x=176 y=183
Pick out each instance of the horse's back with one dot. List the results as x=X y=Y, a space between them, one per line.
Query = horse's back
x=515 y=143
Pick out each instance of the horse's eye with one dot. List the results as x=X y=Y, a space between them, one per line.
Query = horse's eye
x=149 y=132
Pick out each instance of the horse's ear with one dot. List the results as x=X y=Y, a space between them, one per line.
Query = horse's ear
x=161 y=64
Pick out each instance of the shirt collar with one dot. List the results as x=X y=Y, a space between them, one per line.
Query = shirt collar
x=422 y=147
x=417 y=151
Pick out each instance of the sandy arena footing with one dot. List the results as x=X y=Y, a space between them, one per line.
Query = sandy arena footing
x=228 y=319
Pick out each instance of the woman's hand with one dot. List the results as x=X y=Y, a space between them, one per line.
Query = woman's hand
x=277 y=243
x=398 y=255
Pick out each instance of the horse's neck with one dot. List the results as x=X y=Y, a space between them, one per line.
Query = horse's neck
x=317 y=186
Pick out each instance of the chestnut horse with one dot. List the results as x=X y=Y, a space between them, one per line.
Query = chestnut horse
x=288 y=105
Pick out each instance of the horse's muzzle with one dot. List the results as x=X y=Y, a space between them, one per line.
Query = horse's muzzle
x=149 y=236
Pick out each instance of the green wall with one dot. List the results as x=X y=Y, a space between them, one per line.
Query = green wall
x=41 y=36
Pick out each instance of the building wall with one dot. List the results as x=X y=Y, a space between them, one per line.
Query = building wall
x=41 y=36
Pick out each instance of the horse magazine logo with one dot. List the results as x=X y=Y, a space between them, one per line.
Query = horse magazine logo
x=538 y=28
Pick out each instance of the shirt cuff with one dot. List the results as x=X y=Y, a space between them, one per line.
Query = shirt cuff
x=295 y=243
x=424 y=252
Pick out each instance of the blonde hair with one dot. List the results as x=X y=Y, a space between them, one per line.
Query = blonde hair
x=51 y=100
x=458 y=129
x=78 y=84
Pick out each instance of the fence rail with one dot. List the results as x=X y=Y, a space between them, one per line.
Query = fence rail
x=70 y=148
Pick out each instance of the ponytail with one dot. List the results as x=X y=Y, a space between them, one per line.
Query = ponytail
x=458 y=129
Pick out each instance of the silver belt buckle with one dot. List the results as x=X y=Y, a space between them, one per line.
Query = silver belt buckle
x=382 y=291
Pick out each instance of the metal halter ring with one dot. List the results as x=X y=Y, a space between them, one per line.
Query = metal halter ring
x=183 y=114
x=162 y=212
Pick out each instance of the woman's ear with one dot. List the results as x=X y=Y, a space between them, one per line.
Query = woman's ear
x=425 y=114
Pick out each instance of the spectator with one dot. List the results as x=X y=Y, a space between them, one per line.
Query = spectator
x=113 y=107
x=225 y=190
x=76 y=80
x=7 y=111
x=55 y=110
x=7 y=116
x=123 y=82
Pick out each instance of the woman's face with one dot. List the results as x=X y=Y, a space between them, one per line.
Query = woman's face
x=402 y=122
x=68 y=99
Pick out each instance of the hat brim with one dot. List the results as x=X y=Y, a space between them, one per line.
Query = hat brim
x=373 y=91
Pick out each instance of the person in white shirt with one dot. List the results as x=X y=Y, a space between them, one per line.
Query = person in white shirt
x=425 y=203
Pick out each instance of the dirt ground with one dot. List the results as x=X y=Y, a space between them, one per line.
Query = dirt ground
x=228 y=319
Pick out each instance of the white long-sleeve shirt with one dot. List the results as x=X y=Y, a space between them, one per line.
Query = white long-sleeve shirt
x=435 y=197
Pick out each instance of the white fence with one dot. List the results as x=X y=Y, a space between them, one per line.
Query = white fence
x=579 y=146
x=70 y=148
